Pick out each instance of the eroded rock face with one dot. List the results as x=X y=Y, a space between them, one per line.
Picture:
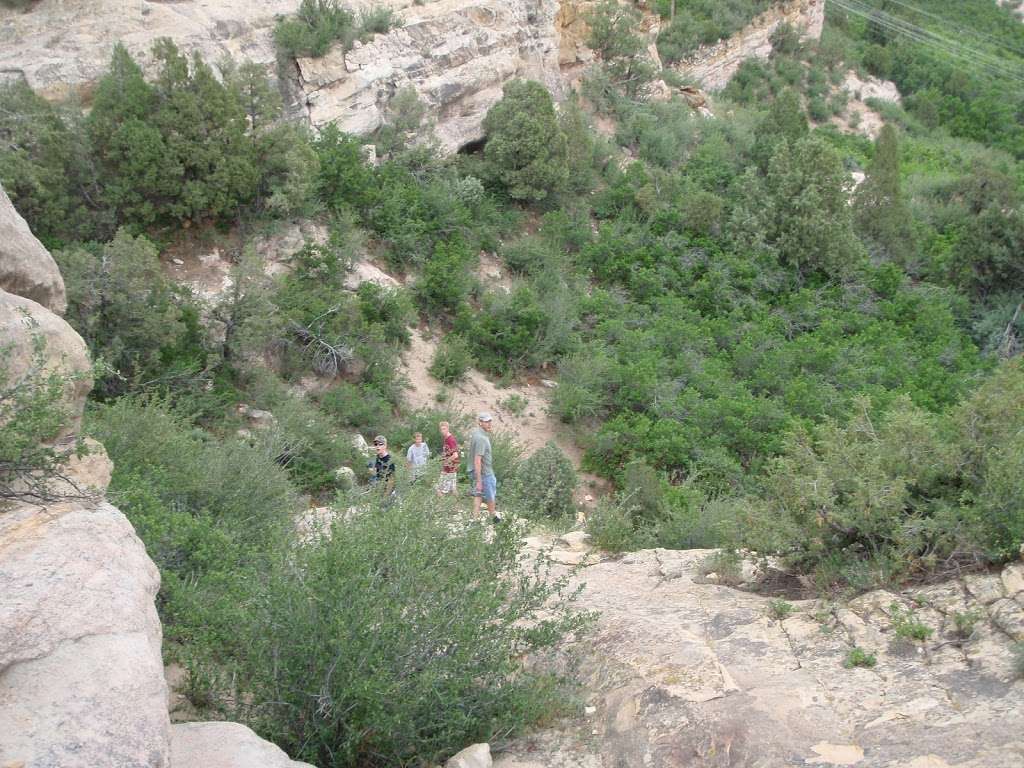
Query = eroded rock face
x=713 y=65
x=63 y=351
x=455 y=54
x=685 y=673
x=81 y=678
x=224 y=745
x=26 y=267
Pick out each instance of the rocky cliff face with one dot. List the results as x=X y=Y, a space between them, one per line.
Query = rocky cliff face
x=81 y=674
x=455 y=54
x=713 y=65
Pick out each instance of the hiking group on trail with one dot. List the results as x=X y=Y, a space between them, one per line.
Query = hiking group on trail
x=483 y=485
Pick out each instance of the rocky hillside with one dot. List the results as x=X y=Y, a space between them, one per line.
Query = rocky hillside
x=455 y=54
x=81 y=672
x=684 y=671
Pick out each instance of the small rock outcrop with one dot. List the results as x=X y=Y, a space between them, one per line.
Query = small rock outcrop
x=26 y=268
x=680 y=672
x=224 y=745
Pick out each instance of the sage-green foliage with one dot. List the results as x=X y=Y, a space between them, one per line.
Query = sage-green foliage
x=779 y=609
x=891 y=493
x=451 y=360
x=1018 y=659
x=906 y=625
x=316 y=26
x=145 y=329
x=525 y=147
x=615 y=36
x=452 y=613
x=186 y=145
x=544 y=484
x=33 y=413
x=965 y=621
x=699 y=22
x=858 y=657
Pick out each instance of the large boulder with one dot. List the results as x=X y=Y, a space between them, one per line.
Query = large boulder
x=26 y=267
x=81 y=677
x=62 y=351
x=224 y=745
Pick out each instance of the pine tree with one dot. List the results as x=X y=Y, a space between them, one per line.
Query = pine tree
x=785 y=122
x=525 y=145
x=880 y=210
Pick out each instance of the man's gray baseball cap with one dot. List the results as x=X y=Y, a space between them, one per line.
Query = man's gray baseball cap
x=483 y=416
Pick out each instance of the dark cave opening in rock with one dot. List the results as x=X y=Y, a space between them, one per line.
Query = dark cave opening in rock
x=474 y=147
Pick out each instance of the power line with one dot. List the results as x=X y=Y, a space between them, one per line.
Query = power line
x=989 y=64
x=975 y=32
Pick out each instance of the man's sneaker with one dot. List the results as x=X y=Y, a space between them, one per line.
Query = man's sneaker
x=497 y=518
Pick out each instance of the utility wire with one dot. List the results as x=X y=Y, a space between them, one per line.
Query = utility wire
x=989 y=64
x=992 y=64
x=959 y=30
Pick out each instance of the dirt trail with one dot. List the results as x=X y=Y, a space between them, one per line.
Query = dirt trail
x=530 y=425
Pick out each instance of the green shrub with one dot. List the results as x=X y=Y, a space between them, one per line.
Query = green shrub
x=446 y=278
x=33 y=413
x=452 y=615
x=906 y=625
x=359 y=407
x=129 y=315
x=504 y=335
x=858 y=657
x=376 y=21
x=316 y=26
x=1018 y=659
x=525 y=145
x=516 y=404
x=611 y=527
x=544 y=484
x=965 y=621
x=452 y=359
x=779 y=609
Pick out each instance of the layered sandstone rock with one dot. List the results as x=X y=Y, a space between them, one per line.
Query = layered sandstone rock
x=26 y=268
x=456 y=55
x=713 y=65
x=681 y=672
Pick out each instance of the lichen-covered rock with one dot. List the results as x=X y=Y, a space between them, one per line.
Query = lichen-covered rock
x=81 y=678
x=26 y=267
x=63 y=352
x=224 y=745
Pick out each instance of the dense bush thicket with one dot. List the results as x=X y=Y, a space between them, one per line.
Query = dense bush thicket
x=319 y=24
x=185 y=147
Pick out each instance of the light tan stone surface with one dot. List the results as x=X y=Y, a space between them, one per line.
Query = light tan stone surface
x=81 y=678
x=63 y=352
x=224 y=745
x=26 y=267
x=685 y=673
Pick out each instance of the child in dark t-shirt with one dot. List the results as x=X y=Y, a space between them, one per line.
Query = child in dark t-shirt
x=383 y=466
